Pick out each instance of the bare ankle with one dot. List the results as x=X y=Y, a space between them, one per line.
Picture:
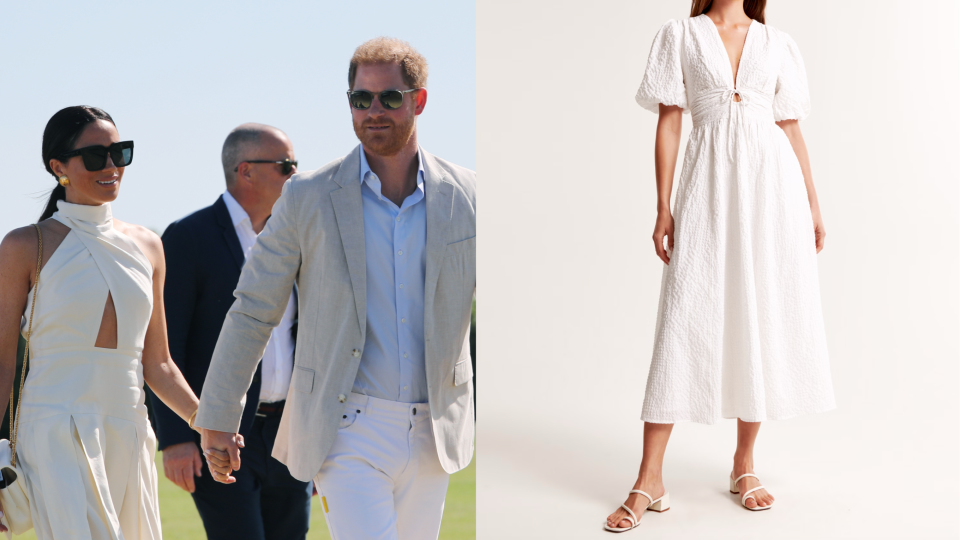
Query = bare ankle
x=649 y=480
x=742 y=462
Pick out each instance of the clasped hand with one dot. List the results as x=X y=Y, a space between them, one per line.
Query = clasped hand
x=222 y=452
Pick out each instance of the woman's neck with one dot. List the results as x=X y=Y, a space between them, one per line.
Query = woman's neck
x=727 y=11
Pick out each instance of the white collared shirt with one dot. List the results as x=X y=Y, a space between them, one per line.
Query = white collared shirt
x=393 y=364
x=277 y=363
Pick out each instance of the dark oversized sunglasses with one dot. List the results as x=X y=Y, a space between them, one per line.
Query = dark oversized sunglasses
x=390 y=99
x=95 y=157
x=286 y=166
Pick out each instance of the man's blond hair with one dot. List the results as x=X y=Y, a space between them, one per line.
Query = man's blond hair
x=384 y=50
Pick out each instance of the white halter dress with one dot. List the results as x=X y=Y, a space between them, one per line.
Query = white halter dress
x=85 y=445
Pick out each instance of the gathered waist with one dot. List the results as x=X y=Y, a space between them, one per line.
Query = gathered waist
x=77 y=380
x=718 y=103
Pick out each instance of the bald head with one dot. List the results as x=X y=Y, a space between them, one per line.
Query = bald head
x=245 y=142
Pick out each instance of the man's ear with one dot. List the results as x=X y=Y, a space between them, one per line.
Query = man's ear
x=421 y=100
x=243 y=171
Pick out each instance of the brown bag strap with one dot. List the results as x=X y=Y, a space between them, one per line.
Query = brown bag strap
x=26 y=353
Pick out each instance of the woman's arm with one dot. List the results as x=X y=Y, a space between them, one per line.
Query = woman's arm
x=159 y=369
x=666 y=150
x=18 y=269
x=792 y=130
x=18 y=253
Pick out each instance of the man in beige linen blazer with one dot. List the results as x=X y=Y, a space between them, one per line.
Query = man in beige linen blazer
x=315 y=238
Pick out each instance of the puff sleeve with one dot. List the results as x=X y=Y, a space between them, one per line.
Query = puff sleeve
x=791 y=100
x=663 y=78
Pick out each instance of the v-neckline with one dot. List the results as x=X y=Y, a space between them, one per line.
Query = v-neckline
x=735 y=78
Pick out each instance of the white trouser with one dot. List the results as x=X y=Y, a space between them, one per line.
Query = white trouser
x=382 y=479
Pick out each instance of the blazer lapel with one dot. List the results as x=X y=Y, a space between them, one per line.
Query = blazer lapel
x=229 y=231
x=348 y=207
x=439 y=198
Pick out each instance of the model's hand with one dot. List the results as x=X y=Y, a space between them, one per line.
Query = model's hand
x=664 y=227
x=819 y=232
x=181 y=463
x=222 y=451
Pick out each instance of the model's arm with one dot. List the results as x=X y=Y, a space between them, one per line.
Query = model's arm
x=666 y=150
x=792 y=129
x=159 y=369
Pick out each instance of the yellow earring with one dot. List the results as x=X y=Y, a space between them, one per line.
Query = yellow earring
x=64 y=180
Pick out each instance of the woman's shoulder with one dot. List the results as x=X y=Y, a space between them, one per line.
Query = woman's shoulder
x=672 y=30
x=19 y=242
x=776 y=34
x=22 y=244
x=148 y=241
x=676 y=24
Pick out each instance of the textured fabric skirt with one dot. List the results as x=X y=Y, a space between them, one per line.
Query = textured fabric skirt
x=739 y=330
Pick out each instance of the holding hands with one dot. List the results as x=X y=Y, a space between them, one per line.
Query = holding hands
x=222 y=451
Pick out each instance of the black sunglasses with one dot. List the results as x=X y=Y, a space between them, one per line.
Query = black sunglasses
x=95 y=157
x=286 y=166
x=390 y=99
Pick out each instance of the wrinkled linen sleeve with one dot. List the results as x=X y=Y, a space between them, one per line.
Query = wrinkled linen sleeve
x=792 y=98
x=663 y=78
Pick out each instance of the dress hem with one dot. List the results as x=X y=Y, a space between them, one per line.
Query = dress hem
x=713 y=421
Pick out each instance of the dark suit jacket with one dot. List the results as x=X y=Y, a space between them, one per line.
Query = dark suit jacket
x=204 y=260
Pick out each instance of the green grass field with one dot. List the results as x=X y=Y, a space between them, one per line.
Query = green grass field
x=180 y=521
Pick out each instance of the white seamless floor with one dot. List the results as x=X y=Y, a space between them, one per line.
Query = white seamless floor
x=832 y=478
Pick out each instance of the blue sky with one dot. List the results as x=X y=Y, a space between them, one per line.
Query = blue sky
x=178 y=76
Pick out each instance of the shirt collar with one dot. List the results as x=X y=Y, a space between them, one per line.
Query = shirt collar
x=366 y=174
x=237 y=214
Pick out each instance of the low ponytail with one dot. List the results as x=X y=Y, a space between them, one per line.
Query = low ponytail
x=62 y=131
x=59 y=193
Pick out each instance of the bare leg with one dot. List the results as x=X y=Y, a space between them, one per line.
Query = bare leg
x=650 y=479
x=743 y=463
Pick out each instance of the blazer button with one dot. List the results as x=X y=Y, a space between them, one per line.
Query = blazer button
x=342 y=398
x=356 y=353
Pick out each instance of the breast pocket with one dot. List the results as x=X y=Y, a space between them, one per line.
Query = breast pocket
x=303 y=379
x=462 y=247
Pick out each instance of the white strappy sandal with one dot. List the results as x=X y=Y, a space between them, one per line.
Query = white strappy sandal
x=747 y=495
x=660 y=505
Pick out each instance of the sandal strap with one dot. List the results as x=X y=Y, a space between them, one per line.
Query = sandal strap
x=632 y=517
x=748 y=495
x=742 y=476
x=644 y=494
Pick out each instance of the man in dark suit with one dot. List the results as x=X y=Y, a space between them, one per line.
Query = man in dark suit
x=205 y=253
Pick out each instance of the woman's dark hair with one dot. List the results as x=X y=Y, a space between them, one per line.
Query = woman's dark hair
x=753 y=8
x=61 y=133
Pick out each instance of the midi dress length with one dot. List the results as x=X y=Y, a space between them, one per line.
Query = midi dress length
x=739 y=330
x=85 y=443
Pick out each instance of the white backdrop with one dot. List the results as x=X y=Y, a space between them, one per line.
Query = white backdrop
x=570 y=279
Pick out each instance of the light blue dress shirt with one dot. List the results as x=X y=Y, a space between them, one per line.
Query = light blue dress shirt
x=393 y=364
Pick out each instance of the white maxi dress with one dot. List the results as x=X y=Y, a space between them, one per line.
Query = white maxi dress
x=85 y=444
x=739 y=330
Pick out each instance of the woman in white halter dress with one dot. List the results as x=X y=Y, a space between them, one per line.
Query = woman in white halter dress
x=85 y=444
